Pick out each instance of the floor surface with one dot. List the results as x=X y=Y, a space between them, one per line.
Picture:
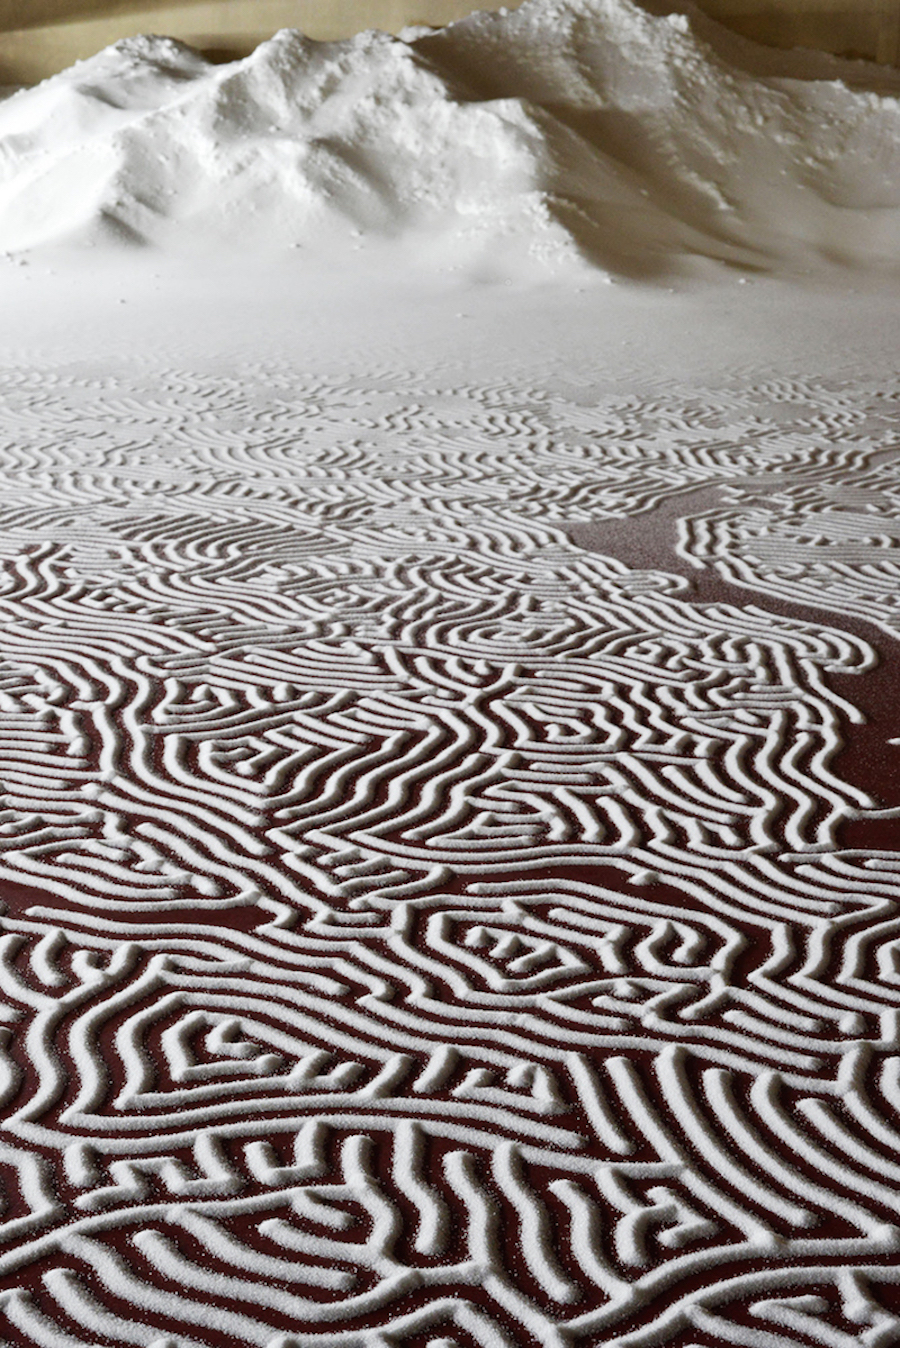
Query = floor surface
x=449 y=832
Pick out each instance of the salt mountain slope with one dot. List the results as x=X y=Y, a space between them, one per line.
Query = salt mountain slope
x=566 y=127
x=148 y=141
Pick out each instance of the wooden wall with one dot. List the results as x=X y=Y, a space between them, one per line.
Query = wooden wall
x=38 y=37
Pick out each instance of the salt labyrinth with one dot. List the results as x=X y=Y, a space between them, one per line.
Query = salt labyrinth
x=449 y=836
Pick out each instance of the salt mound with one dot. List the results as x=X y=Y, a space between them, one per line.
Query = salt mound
x=565 y=128
x=149 y=142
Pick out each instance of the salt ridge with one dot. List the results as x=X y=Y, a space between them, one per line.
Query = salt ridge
x=563 y=130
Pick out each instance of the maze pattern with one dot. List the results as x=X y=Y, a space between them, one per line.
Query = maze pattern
x=420 y=929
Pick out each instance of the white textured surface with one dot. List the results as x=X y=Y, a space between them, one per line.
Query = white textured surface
x=449 y=820
x=422 y=929
x=566 y=128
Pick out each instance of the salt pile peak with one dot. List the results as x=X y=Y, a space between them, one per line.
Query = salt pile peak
x=147 y=141
x=565 y=129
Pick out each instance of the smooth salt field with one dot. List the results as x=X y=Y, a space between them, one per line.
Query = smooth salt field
x=450 y=720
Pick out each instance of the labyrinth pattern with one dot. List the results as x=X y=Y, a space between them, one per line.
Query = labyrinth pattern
x=427 y=922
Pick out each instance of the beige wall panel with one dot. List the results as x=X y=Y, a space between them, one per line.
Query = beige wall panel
x=42 y=36
x=869 y=28
x=223 y=28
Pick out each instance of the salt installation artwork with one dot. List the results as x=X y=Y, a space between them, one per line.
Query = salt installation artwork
x=450 y=692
